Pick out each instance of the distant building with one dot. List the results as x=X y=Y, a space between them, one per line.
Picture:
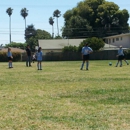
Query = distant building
x=57 y=45
x=117 y=40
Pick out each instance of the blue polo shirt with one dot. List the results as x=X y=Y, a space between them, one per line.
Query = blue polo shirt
x=86 y=50
x=120 y=52
x=9 y=54
x=39 y=56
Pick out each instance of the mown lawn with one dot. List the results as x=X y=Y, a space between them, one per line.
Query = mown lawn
x=63 y=97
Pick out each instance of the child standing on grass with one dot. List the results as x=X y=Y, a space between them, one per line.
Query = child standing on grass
x=10 y=57
x=39 y=59
x=120 y=56
x=85 y=56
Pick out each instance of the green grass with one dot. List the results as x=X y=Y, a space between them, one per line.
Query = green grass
x=62 y=97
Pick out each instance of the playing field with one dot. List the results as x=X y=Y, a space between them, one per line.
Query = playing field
x=63 y=97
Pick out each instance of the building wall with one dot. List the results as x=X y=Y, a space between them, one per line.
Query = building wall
x=119 y=40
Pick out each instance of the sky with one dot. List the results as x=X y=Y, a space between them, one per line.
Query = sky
x=39 y=12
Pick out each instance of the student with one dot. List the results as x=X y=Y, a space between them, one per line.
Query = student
x=10 y=57
x=28 y=60
x=85 y=55
x=120 y=56
x=39 y=59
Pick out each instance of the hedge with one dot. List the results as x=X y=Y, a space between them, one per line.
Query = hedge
x=16 y=56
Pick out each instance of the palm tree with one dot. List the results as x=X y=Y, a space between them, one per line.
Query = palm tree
x=9 y=11
x=24 y=14
x=57 y=14
x=51 y=22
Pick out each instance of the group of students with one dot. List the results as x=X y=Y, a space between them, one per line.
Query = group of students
x=87 y=50
x=38 y=56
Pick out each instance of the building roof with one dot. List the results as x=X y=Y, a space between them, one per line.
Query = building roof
x=58 y=43
x=120 y=35
x=111 y=47
x=12 y=50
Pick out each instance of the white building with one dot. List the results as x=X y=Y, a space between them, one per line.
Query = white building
x=117 y=40
x=56 y=45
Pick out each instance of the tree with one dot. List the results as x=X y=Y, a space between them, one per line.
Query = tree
x=77 y=26
x=57 y=14
x=51 y=22
x=58 y=37
x=34 y=35
x=24 y=14
x=16 y=45
x=102 y=18
x=94 y=42
x=9 y=11
x=30 y=31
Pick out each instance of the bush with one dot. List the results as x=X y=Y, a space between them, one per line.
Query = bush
x=70 y=49
x=3 y=57
x=16 y=56
x=94 y=42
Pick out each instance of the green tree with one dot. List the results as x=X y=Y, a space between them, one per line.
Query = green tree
x=9 y=11
x=58 y=37
x=39 y=34
x=51 y=22
x=102 y=18
x=16 y=45
x=57 y=14
x=94 y=42
x=30 y=31
x=77 y=26
x=24 y=14
x=70 y=49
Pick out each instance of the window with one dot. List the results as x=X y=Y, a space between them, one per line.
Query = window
x=106 y=41
x=113 y=40
x=117 y=39
x=109 y=41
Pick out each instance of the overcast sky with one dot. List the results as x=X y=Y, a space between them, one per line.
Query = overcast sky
x=38 y=15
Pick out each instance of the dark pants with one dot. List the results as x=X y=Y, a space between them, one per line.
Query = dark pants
x=28 y=61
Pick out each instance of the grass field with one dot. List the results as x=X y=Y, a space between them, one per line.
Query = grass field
x=63 y=97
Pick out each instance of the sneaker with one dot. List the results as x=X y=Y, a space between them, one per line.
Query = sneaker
x=80 y=68
x=127 y=63
x=86 y=68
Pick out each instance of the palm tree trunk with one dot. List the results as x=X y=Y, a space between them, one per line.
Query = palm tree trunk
x=10 y=29
x=25 y=23
x=57 y=27
x=52 y=31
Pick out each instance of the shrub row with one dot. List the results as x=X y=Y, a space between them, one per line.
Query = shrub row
x=16 y=56
x=93 y=42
